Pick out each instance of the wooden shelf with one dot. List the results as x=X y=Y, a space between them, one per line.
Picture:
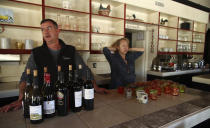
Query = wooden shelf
x=108 y=16
x=96 y=52
x=14 y=51
x=198 y=42
x=167 y=52
x=74 y=31
x=198 y=53
x=185 y=30
x=199 y=32
x=21 y=26
x=183 y=41
x=190 y=53
x=167 y=39
x=137 y=21
x=107 y=34
x=167 y=27
x=25 y=2
x=83 y=50
x=76 y=11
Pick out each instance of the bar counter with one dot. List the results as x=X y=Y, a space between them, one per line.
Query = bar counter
x=116 y=111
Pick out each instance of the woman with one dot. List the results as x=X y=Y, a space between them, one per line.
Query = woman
x=122 y=62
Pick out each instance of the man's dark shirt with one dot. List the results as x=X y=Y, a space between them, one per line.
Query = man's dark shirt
x=31 y=64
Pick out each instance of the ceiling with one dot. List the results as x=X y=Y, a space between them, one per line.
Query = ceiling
x=199 y=4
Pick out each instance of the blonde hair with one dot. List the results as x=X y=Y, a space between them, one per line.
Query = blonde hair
x=117 y=42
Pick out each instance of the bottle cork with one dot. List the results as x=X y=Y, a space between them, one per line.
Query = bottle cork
x=59 y=68
x=35 y=73
x=80 y=66
x=70 y=67
x=27 y=71
x=45 y=69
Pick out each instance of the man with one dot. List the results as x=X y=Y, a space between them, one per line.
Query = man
x=53 y=52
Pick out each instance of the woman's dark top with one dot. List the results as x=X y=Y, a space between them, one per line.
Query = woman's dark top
x=121 y=73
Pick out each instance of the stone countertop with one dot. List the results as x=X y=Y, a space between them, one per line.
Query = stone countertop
x=174 y=73
x=204 y=79
x=115 y=111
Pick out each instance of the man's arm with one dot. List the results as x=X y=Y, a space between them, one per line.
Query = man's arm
x=18 y=103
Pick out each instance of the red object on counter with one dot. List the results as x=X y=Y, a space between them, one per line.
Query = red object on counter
x=153 y=94
x=120 y=90
x=175 y=91
x=159 y=90
x=167 y=89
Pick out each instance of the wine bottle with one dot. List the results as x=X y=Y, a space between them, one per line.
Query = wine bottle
x=36 y=104
x=44 y=82
x=70 y=87
x=88 y=93
x=62 y=95
x=49 y=98
x=27 y=94
x=77 y=104
x=81 y=81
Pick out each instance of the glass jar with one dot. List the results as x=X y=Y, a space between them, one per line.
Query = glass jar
x=67 y=23
x=167 y=89
x=175 y=90
x=153 y=94
x=181 y=88
x=120 y=90
x=58 y=20
x=128 y=92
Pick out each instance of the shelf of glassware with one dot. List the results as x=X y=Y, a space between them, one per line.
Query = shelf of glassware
x=107 y=26
x=80 y=6
x=18 y=36
x=198 y=37
x=184 y=35
x=168 y=21
x=199 y=27
x=78 y=39
x=166 y=33
x=167 y=46
x=25 y=14
x=69 y=20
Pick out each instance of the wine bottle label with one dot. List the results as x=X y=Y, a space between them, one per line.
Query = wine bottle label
x=78 y=98
x=35 y=112
x=23 y=105
x=60 y=97
x=89 y=94
x=49 y=107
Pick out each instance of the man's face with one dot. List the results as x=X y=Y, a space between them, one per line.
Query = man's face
x=50 y=32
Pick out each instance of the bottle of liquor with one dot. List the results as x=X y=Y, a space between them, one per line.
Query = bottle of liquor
x=81 y=81
x=49 y=98
x=61 y=95
x=70 y=87
x=88 y=93
x=44 y=83
x=27 y=94
x=36 y=104
x=77 y=104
